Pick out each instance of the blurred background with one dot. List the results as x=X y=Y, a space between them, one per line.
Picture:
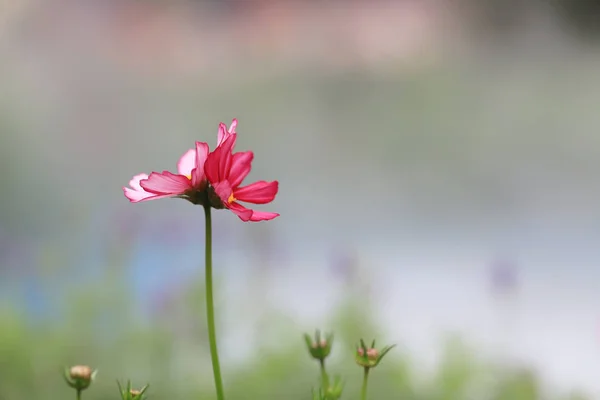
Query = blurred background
x=438 y=189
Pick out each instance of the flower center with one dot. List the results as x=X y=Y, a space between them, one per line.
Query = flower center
x=231 y=199
x=189 y=176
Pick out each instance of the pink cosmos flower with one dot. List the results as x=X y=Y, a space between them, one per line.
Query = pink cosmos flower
x=222 y=168
x=225 y=172
x=189 y=180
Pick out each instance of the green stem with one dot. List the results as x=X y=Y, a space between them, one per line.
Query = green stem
x=324 y=377
x=78 y=396
x=210 y=307
x=363 y=392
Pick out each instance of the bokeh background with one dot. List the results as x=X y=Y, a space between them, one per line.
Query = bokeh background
x=438 y=165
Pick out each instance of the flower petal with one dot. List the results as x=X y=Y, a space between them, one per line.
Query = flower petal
x=211 y=165
x=135 y=181
x=226 y=156
x=244 y=213
x=248 y=215
x=223 y=190
x=224 y=133
x=233 y=125
x=187 y=163
x=218 y=163
x=135 y=196
x=260 y=192
x=262 y=216
x=241 y=164
x=198 y=175
x=166 y=183
x=135 y=193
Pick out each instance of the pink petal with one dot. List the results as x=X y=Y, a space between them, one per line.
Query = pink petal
x=260 y=192
x=233 y=125
x=136 y=196
x=223 y=190
x=211 y=166
x=198 y=175
x=241 y=164
x=136 y=193
x=226 y=156
x=187 y=163
x=224 y=133
x=262 y=216
x=166 y=183
x=218 y=162
x=244 y=213
x=135 y=181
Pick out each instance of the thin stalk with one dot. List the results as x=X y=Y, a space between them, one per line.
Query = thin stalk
x=78 y=395
x=210 y=307
x=363 y=392
x=324 y=377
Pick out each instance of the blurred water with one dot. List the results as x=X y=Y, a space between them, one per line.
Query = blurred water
x=551 y=321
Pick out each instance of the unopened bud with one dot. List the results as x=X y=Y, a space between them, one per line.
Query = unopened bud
x=319 y=348
x=80 y=372
x=334 y=391
x=372 y=354
x=369 y=357
x=128 y=393
x=79 y=377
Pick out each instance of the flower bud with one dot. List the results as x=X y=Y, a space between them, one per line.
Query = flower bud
x=370 y=357
x=131 y=394
x=319 y=348
x=79 y=377
x=373 y=354
x=334 y=391
x=80 y=372
x=136 y=394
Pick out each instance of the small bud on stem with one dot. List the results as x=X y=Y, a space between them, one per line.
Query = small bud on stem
x=80 y=372
x=369 y=357
x=131 y=394
x=319 y=348
x=79 y=377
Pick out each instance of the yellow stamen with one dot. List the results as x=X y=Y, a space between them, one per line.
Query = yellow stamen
x=231 y=199
x=189 y=176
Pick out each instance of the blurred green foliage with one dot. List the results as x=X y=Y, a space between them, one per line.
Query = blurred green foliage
x=31 y=357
